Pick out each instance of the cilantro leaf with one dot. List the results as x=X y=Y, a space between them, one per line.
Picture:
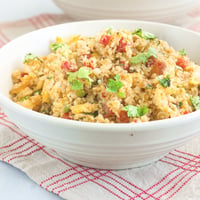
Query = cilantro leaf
x=55 y=46
x=148 y=86
x=23 y=98
x=178 y=67
x=73 y=77
x=121 y=94
x=165 y=82
x=182 y=52
x=94 y=114
x=143 y=34
x=76 y=85
x=114 y=85
x=195 y=102
x=39 y=92
x=142 y=110
x=180 y=104
x=117 y=77
x=49 y=77
x=80 y=93
x=143 y=57
x=66 y=108
x=133 y=111
x=29 y=57
x=84 y=74
x=109 y=31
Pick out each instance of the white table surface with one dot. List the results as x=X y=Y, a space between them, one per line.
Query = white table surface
x=14 y=184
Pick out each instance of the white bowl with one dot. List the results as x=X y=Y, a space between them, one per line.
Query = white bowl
x=156 y=10
x=107 y=146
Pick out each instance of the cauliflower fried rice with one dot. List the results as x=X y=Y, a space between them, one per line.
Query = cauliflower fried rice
x=116 y=76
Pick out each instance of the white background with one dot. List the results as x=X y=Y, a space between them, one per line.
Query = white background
x=14 y=184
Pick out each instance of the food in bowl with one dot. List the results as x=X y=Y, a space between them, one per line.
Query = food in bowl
x=115 y=76
x=98 y=145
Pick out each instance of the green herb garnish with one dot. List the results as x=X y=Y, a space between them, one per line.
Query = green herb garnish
x=180 y=104
x=94 y=114
x=66 y=108
x=165 y=82
x=76 y=85
x=148 y=86
x=143 y=57
x=133 y=111
x=37 y=91
x=182 y=52
x=23 y=98
x=195 y=102
x=29 y=57
x=121 y=94
x=55 y=46
x=84 y=73
x=49 y=77
x=178 y=67
x=143 y=34
x=73 y=77
x=142 y=110
x=109 y=31
x=80 y=93
x=114 y=85
x=96 y=82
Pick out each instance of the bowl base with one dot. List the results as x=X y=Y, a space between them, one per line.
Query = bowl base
x=117 y=165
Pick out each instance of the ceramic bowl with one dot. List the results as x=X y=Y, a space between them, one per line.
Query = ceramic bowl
x=105 y=146
x=152 y=10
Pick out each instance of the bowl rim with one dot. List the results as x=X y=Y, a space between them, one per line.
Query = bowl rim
x=97 y=125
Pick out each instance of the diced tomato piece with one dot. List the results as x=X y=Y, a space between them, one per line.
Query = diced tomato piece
x=88 y=56
x=123 y=117
x=134 y=120
x=107 y=112
x=105 y=39
x=186 y=112
x=66 y=116
x=124 y=66
x=158 y=66
x=182 y=61
x=66 y=65
x=89 y=64
x=24 y=74
x=103 y=94
x=122 y=46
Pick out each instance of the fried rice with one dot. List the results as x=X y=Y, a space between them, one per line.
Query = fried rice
x=115 y=76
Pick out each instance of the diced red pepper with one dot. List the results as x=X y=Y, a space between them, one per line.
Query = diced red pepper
x=158 y=66
x=123 y=117
x=24 y=74
x=66 y=65
x=124 y=66
x=105 y=39
x=186 y=112
x=122 y=46
x=66 y=116
x=89 y=64
x=88 y=56
x=107 y=112
x=103 y=94
x=182 y=61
